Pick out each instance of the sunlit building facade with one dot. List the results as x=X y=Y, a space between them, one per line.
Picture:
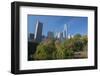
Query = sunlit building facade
x=38 y=31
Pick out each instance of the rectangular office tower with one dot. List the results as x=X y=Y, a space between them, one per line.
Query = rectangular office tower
x=38 y=31
x=50 y=34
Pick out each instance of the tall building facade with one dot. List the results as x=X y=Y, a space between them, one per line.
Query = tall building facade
x=38 y=31
x=50 y=34
x=65 y=31
x=31 y=37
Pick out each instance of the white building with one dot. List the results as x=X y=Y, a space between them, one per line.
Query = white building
x=65 y=31
x=38 y=31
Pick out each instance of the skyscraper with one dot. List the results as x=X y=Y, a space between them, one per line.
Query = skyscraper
x=31 y=37
x=50 y=34
x=65 y=32
x=60 y=35
x=38 y=31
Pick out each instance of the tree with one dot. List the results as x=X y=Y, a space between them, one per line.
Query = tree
x=59 y=51
x=84 y=39
x=67 y=47
x=45 y=50
x=78 y=45
x=55 y=49
x=77 y=36
x=41 y=53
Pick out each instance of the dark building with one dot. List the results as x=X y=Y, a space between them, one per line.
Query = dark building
x=43 y=37
x=50 y=34
x=31 y=37
x=38 y=31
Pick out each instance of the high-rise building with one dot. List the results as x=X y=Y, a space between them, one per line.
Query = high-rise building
x=60 y=36
x=70 y=36
x=31 y=37
x=56 y=34
x=65 y=31
x=38 y=31
x=50 y=34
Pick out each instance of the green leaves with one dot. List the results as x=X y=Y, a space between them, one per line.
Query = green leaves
x=45 y=50
x=50 y=49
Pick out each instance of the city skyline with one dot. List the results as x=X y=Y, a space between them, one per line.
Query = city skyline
x=56 y=24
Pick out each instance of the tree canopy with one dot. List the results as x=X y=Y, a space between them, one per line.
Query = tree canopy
x=55 y=49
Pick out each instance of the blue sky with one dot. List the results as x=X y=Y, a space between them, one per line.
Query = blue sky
x=56 y=24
